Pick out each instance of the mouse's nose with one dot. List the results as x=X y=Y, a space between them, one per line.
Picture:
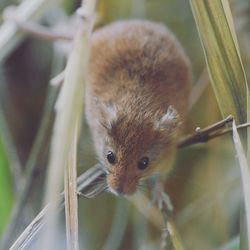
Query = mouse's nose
x=122 y=186
x=119 y=189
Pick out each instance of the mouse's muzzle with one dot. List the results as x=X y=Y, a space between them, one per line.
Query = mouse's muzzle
x=122 y=185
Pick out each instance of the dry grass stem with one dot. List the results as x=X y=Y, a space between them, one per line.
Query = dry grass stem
x=27 y=10
x=174 y=235
x=30 y=231
x=70 y=194
x=68 y=114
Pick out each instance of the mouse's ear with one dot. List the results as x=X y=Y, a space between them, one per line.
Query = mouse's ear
x=108 y=113
x=169 y=120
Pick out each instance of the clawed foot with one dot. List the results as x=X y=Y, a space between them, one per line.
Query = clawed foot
x=162 y=201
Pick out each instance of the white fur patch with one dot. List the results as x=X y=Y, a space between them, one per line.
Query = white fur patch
x=169 y=120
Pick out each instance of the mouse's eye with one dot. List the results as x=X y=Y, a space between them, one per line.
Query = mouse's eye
x=111 y=157
x=143 y=163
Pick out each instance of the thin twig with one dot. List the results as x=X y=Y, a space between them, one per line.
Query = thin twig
x=206 y=134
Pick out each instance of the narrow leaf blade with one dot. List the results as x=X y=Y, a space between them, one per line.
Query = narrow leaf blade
x=245 y=176
x=215 y=26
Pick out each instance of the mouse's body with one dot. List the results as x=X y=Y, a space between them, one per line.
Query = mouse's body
x=136 y=98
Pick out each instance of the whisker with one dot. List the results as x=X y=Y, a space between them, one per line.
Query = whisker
x=101 y=178
x=96 y=183
x=107 y=190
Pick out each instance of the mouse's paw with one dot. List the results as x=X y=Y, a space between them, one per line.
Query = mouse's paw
x=161 y=200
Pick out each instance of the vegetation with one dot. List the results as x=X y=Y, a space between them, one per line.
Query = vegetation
x=209 y=186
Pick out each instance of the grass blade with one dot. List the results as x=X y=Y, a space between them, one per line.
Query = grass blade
x=245 y=176
x=216 y=30
x=215 y=26
x=6 y=191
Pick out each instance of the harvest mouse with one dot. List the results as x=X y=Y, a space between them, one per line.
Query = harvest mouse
x=136 y=100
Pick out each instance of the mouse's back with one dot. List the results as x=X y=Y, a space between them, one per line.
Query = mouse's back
x=140 y=56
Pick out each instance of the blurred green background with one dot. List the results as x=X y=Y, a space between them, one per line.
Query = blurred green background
x=204 y=186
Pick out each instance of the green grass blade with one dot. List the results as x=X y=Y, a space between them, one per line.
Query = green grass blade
x=6 y=191
x=215 y=26
x=216 y=30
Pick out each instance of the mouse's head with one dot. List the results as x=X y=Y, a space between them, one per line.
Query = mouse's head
x=135 y=146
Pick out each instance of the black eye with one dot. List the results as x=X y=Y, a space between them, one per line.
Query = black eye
x=143 y=163
x=111 y=157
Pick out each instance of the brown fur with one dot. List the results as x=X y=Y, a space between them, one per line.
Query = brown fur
x=137 y=69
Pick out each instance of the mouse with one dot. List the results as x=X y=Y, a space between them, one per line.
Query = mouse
x=136 y=100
